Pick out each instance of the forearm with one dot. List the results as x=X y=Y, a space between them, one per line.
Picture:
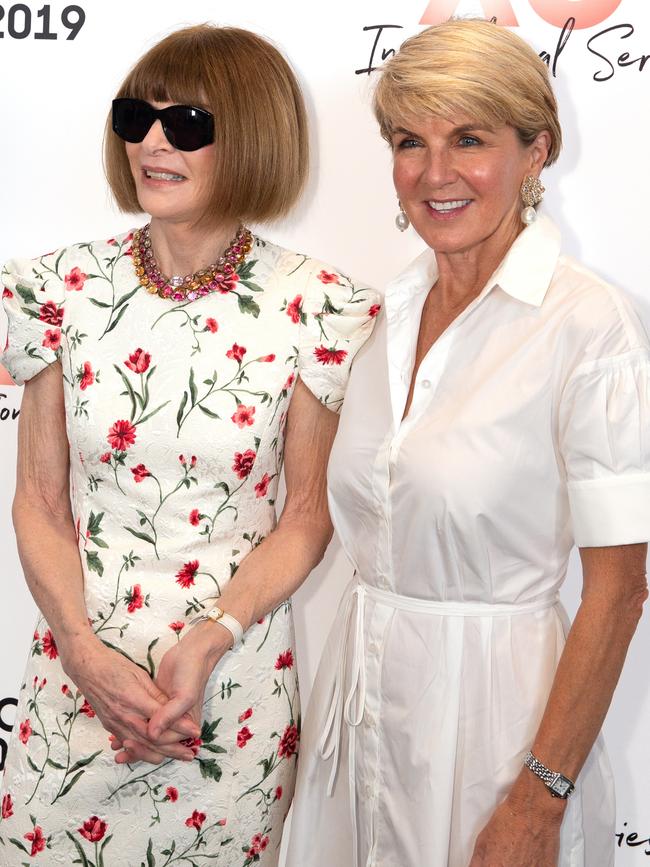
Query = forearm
x=589 y=668
x=275 y=569
x=585 y=681
x=49 y=555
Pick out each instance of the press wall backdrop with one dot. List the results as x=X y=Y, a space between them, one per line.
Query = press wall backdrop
x=59 y=67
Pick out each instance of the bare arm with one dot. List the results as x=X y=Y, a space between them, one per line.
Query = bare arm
x=122 y=695
x=270 y=573
x=614 y=590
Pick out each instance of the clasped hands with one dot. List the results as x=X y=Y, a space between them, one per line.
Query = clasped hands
x=149 y=719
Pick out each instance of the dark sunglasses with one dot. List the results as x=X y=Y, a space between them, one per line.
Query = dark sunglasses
x=186 y=127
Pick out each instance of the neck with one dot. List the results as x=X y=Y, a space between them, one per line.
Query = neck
x=183 y=248
x=462 y=275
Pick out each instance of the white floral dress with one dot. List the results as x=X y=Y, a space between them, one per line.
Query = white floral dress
x=175 y=416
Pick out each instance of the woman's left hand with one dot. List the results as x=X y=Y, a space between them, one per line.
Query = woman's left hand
x=524 y=828
x=182 y=675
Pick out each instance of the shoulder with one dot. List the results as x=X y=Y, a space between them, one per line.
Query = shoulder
x=600 y=319
x=66 y=268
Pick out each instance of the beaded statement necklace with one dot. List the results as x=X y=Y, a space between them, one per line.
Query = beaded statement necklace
x=192 y=286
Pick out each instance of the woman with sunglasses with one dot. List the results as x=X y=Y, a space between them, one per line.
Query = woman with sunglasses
x=168 y=372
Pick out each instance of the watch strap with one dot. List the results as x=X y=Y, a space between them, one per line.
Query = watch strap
x=218 y=615
x=559 y=785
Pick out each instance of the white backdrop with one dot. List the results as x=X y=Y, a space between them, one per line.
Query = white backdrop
x=54 y=93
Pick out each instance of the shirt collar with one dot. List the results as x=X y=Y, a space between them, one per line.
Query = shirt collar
x=525 y=272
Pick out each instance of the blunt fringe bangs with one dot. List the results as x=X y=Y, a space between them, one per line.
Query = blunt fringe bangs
x=261 y=134
x=474 y=68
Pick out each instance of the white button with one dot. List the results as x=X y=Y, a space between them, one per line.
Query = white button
x=373 y=648
x=368 y=789
x=426 y=383
x=371 y=722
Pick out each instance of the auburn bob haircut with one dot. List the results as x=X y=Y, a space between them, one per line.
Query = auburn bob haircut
x=261 y=152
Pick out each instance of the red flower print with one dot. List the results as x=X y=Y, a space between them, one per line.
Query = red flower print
x=65 y=689
x=262 y=486
x=228 y=284
x=289 y=382
x=222 y=823
x=288 y=745
x=112 y=242
x=51 y=314
x=195 y=517
x=266 y=358
x=244 y=463
x=6 y=293
x=243 y=736
x=134 y=598
x=237 y=352
x=185 y=576
x=278 y=793
x=177 y=626
x=171 y=794
x=36 y=636
x=25 y=731
x=374 y=310
x=247 y=714
x=88 y=377
x=294 y=309
x=181 y=458
x=212 y=325
x=258 y=845
x=52 y=339
x=37 y=840
x=138 y=361
x=140 y=473
x=105 y=458
x=121 y=435
x=284 y=660
x=330 y=356
x=327 y=277
x=49 y=645
x=243 y=415
x=195 y=820
x=7 y=806
x=193 y=744
x=87 y=710
x=93 y=829
x=75 y=279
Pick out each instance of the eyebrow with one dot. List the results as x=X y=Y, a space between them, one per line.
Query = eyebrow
x=458 y=130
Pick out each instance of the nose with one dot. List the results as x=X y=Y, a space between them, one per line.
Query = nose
x=439 y=169
x=156 y=140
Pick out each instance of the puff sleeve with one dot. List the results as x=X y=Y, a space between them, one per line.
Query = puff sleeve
x=605 y=444
x=33 y=301
x=336 y=318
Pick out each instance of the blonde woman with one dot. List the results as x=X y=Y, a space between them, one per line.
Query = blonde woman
x=168 y=372
x=499 y=416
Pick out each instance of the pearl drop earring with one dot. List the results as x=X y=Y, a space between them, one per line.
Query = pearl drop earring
x=401 y=220
x=532 y=193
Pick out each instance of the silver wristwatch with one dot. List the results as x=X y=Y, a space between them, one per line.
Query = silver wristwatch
x=558 y=785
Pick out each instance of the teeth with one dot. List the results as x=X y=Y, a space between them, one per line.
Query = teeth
x=449 y=206
x=163 y=176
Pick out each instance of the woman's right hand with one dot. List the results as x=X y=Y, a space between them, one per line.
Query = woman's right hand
x=124 y=698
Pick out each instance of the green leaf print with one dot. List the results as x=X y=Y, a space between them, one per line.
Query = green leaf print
x=26 y=294
x=82 y=855
x=151 y=860
x=247 y=305
x=94 y=563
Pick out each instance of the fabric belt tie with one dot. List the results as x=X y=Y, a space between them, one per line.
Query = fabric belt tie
x=350 y=707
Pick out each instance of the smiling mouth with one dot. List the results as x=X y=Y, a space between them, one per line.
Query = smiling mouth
x=448 y=206
x=163 y=176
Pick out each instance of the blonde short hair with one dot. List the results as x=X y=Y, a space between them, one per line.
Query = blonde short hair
x=260 y=122
x=474 y=68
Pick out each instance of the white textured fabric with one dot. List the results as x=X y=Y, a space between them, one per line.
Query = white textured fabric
x=529 y=431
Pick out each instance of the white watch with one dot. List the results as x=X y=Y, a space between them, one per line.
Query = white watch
x=218 y=615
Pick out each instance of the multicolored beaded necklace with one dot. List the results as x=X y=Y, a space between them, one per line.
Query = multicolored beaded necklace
x=192 y=286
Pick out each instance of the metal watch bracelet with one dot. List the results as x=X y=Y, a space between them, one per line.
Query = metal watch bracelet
x=558 y=785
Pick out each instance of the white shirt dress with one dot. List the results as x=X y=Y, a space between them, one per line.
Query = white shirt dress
x=529 y=433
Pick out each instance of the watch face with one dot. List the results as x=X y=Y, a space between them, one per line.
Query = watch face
x=561 y=787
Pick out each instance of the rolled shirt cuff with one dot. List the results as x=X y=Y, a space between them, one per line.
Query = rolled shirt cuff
x=611 y=511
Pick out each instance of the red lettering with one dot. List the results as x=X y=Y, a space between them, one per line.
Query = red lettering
x=441 y=10
x=587 y=13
